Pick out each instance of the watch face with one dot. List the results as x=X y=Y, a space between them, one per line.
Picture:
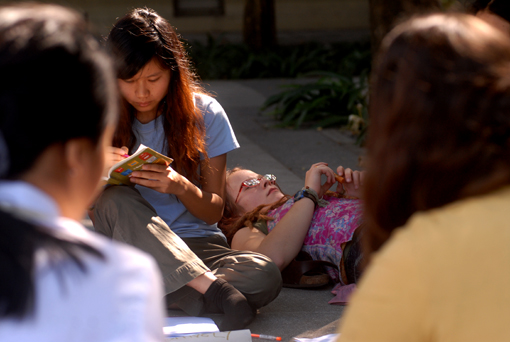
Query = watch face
x=299 y=195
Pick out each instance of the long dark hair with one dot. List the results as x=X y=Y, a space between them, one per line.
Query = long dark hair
x=136 y=39
x=57 y=85
x=440 y=123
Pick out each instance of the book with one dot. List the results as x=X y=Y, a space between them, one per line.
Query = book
x=234 y=336
x=179 y=326
x=119 y=173
x=200 y=329
x=325 y=338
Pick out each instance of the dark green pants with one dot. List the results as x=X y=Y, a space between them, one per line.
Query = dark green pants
x=124 y=215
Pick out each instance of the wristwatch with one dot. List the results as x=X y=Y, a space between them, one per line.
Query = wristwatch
x=305 y=193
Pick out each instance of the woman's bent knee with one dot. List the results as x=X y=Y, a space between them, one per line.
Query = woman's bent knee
x=255 y=275
x=116 y=195
x=269 y=283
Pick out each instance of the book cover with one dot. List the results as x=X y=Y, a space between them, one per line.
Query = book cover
x=119 y=173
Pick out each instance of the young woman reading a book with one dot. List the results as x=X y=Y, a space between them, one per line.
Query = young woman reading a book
x=438 y=146
x=172 y=211
x=260 y=218
x=60 y=281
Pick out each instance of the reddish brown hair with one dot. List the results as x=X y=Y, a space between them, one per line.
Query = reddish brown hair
x=232 y=220
x=136 y=39
x=440 y=119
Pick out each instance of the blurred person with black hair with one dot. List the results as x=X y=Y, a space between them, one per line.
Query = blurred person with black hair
x=58 y=110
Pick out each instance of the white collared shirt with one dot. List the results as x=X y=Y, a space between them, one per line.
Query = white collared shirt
x=116 y=299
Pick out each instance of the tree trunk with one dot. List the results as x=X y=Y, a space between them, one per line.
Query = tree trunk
x=259 y=26
x=386 y=14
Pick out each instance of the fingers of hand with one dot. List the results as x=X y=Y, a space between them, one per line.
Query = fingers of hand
x=330 y=175
x=157 y=168
x=155 y=180
x=340 y=188
x=137 y=175
x=150 y=183
x=316 y=169
x=358 y=178
x=349 y=178
x=339 y=179
x=354 y=179
x=116 y=150
x=319 y=164
x=115 y=154
x=348 y=175
x=154 y=171
x=344 y=175
x=313 y=180
x=361 y=177
x=324 y=187
x=159 y=177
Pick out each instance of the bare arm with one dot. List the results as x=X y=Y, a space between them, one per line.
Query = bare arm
x=206 y=203
x=284 y=242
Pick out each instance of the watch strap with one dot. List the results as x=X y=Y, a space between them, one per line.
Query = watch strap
x=305 y=193
x=321 y=202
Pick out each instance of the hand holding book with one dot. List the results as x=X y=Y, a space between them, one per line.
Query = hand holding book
x=120 y=172
x=117 y=154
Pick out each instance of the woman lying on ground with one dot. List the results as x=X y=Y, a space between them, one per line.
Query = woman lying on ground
x=260 y=218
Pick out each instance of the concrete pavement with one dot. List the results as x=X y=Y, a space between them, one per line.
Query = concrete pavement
x=287 y=153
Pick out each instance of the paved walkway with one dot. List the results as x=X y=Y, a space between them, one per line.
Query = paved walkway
x=288 y=154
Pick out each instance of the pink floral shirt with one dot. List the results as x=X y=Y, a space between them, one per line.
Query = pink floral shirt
x=331 y=226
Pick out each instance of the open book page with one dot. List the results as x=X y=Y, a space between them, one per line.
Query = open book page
x=119 y=173
x=201 y=329
x=234 y=336
x=178 y=326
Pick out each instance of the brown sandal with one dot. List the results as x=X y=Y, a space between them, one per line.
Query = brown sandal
x=304 y=272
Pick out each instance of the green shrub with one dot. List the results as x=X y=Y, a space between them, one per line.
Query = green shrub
x=220 y=59
x=332 y=101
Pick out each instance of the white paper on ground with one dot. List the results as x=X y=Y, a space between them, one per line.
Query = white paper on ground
x=325 y=338
x=178 y=326
x=234 y=336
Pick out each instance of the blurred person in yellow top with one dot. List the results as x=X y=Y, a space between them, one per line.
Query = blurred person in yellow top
x=439 y=167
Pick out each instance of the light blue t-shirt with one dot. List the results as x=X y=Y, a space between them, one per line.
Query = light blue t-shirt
x=220 y=139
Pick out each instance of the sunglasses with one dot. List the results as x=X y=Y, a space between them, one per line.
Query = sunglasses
x=250 y=183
